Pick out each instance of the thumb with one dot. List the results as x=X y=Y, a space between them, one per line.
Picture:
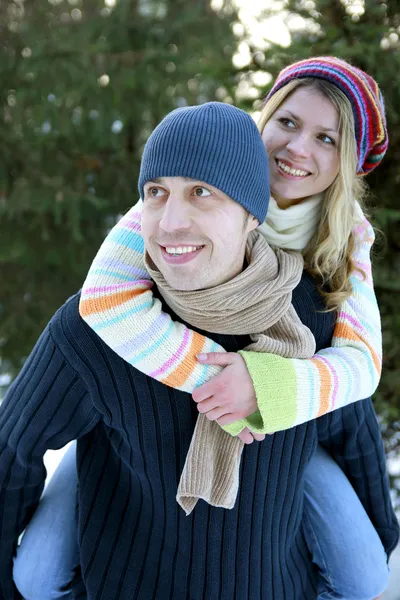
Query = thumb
x=222 y=359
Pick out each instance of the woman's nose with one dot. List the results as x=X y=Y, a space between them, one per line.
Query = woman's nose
x=300 y=146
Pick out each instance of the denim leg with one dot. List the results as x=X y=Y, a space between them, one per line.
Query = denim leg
x=49 y=552
x=342 y=540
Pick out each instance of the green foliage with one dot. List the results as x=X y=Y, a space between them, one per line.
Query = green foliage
x=83 y=85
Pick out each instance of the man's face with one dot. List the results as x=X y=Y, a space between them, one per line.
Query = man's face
x=194 y=233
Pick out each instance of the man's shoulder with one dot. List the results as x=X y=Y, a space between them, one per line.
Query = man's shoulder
x=310 y=307
x=69 y=331
x=67 y=315
x=307 y=294
x=81 y=346
x=308 y=287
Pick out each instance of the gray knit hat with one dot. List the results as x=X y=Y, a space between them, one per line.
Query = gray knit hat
x=215 y=143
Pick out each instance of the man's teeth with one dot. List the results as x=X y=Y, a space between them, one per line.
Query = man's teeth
x=296 y=172
x=182 y=249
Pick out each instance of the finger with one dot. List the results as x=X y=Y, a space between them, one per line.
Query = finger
x=209 y=404
x=215 y=387
x=222 y=359
x=215 y=414
x=229 y=418
x=246 y=436
x=259 y=437
x=245 y=440
x=205 y=391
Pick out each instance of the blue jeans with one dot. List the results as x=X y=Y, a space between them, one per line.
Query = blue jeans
x=342 y=541
x=49 y=552
x=344 y=545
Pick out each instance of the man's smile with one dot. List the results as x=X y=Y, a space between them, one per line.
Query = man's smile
x=177 y=255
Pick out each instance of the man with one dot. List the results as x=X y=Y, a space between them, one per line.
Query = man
x=201 y=201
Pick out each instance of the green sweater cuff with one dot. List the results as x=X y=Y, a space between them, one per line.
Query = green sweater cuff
x=274 y=380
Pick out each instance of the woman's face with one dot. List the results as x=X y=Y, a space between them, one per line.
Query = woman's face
x=303 y=142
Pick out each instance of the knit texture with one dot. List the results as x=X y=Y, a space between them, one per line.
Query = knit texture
x=293 y=227
x=216 y=143
x=133 y=437
x=365 y=98
x=343 y=373
x=117 y=302
x=256 y=302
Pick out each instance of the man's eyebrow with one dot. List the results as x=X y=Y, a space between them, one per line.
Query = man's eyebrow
x=159 y=180
x=297 y=118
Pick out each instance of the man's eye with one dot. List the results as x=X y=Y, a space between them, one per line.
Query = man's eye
x=201 y=192
x=155 y=192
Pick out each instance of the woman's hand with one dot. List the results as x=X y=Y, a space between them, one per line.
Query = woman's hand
x=230 y=395
x=248 y=436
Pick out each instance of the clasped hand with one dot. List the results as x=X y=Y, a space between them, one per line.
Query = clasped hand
x=230 y=395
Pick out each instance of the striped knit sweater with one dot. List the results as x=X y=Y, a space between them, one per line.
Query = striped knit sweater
x=133 y=435
x=117 y=302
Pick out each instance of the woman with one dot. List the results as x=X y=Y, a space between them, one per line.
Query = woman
x=323 y=123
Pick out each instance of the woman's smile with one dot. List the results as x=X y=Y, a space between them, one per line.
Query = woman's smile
x=289 y=171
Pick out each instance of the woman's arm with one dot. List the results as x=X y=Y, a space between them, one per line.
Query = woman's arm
x=118 y=304
x=334 y=377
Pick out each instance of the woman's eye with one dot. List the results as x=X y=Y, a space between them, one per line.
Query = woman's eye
x=201 y=192
x=327 y=140
x=287 y=122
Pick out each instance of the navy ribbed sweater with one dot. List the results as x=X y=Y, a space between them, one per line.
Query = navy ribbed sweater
x=133 y=436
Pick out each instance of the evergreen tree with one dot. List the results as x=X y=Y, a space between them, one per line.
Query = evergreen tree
x=84 y=82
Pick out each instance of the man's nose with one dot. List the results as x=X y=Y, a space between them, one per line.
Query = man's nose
x=300 y=146
x=176 y=214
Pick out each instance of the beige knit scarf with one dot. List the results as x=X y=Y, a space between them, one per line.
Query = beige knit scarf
x=256 y=302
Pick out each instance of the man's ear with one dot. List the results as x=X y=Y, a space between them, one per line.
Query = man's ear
x=252 y=223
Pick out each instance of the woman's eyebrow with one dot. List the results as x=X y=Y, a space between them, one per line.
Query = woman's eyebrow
x=297 y=118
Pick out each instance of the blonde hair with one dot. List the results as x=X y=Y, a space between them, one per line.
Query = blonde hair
x=328 y=256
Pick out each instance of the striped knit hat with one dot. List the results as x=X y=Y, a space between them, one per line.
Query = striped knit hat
x=215 y=143
x=365 y=98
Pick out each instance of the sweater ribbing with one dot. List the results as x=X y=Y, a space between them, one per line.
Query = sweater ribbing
x=133 y=435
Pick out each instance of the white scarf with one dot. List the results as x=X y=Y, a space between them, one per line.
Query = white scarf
x=293 y=227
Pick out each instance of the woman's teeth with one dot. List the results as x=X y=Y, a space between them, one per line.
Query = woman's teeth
x=182 y=249
x=295 y=172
